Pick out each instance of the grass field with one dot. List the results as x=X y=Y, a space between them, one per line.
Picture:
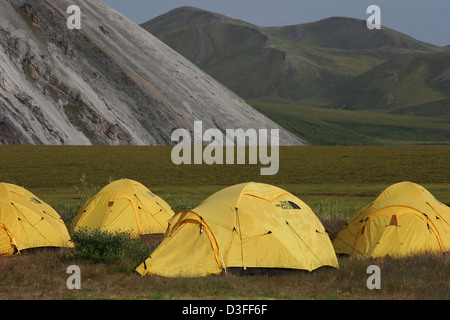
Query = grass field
x=334 y=181
x=326 y=126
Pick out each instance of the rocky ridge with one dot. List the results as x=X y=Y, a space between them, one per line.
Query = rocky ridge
x=109 y=83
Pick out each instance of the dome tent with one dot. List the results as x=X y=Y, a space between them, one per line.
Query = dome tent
x=28 y=222
x=124 y=206
x=250 y=225
x=404 y=220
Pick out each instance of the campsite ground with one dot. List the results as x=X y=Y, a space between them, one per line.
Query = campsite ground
x=334 y=181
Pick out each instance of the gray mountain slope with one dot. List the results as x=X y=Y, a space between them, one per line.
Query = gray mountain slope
x=109 y=83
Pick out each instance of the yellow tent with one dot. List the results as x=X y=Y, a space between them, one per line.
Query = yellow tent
x=27 y=222
x=250 y=225
x=124 y=206
x=404 y=220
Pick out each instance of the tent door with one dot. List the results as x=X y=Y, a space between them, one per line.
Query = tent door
x=6 y=246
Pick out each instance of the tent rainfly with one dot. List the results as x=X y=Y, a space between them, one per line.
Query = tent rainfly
x=404 y=220
x=28 y=222
x=124 y=206
x=250 y=225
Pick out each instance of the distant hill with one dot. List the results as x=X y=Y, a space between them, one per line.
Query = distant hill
x=280 y=63
x=403 y=101
x=418 y=84
x=333 y=82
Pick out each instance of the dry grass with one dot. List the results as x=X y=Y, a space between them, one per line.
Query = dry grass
x=41 y=274
x=334 y=181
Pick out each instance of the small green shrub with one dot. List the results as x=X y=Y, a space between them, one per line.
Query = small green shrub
x=99 y=246
x=180 y=203
x=86 y=190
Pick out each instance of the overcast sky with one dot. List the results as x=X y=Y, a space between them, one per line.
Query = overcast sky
x=425 y=20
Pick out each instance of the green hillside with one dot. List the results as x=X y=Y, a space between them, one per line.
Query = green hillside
x=280 y=63
x=323 y=126
x=332 y=82
x=418 y=84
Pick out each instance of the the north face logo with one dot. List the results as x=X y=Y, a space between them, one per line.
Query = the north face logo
x=287 y=205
